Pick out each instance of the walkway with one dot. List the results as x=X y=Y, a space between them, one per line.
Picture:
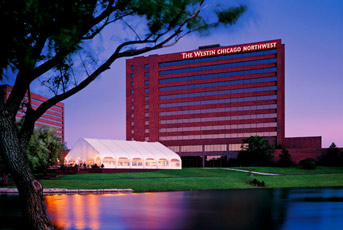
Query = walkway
x=253 y=172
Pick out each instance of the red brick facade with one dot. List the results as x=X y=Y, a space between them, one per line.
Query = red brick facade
x=53 y=118
x=181 y=101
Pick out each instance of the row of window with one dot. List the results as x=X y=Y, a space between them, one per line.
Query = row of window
x=49 y=111
x=215 y=84
x=216 y=136
x=124 y=161
x=40 y=122
x=216 y=58
x=218 y=66
x=218 y=75
x=224 y=118
x=40 y=102
x=52 y=120
x=218 y=101
x=218 y=110
x=218 y=127
x=218 y=92
x=207 y=148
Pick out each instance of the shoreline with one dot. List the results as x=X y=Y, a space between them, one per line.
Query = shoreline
x=53 y=191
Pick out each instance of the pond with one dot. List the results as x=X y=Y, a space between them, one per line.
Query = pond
x=302 y=208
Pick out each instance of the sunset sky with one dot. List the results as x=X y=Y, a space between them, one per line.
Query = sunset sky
x=312 y=32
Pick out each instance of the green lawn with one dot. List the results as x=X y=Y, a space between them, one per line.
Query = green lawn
x=294 y=170
x=197 y=178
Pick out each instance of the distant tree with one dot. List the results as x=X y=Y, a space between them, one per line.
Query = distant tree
x=256 y=150
x=48 y=42
x=45 y=149
x=308 y=163
x=285 y=158
x=332 y=156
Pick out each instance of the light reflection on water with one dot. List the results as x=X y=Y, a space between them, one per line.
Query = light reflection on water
x=286 y=209
x=117 y=211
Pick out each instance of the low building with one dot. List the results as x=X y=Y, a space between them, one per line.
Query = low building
x=53 y=118
x=122 y=154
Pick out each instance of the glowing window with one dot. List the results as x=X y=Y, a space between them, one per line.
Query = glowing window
x=175 y=163
x=162 y=162
x=123 y=161
x=150 y=162
x=137 y=162
x=108 y=162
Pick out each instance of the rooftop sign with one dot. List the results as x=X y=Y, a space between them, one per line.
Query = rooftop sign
x=230 y=50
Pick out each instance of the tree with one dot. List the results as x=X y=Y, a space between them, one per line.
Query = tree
x=255 y=150
x=332 y=156
x=45 y=149
x=285 y=158
x=47 y=41
x=4 y=172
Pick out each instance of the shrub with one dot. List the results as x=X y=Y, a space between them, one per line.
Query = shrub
x=257 y=183
x=332 y=157
x=308 y=163
x=285 y=159
x=255 y=151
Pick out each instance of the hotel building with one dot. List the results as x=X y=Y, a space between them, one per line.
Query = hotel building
x=205 y=102
x=53 y=118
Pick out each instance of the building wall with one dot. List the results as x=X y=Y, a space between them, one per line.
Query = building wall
x=205 y=102
x=303 y=142
x=53 y=118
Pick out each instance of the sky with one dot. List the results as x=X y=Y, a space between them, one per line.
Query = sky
x=312 y=31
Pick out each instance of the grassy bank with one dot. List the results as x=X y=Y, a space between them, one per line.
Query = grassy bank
x=294 y=170
x=197 y=178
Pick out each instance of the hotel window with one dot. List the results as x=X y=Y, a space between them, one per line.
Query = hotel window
x=146 y=106
x=131 y=91
x=132 y=115
x=132 y=75
x=146 y=138
x=146 y=122
x=146 y=66
x=146 y=82
x=146 y=74
x=146 y=114
x=146 y=90
x=132 y=99
x=147 y=98
x=132 y=107
x=131 y=83
x=146 y=130
x=132 y=123
x=132 y=67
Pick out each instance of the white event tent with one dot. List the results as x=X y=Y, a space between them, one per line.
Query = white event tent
x=123 y=154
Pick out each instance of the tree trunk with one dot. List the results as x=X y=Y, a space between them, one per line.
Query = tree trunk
x=5 y=178
x=30 y=190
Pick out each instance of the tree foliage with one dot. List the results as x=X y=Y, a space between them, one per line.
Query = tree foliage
x=332 y=157
x=308 y=163
x=48 y=41
x=255 y=150
x=285 y=158
x=45 y=149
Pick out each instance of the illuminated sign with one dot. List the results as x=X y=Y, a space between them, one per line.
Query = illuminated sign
x=230 y=50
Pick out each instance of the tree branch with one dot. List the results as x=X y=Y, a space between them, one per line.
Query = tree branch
x=116 y=54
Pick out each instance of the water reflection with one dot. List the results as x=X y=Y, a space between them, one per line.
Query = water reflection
x=222 y=209
x=117 y=211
